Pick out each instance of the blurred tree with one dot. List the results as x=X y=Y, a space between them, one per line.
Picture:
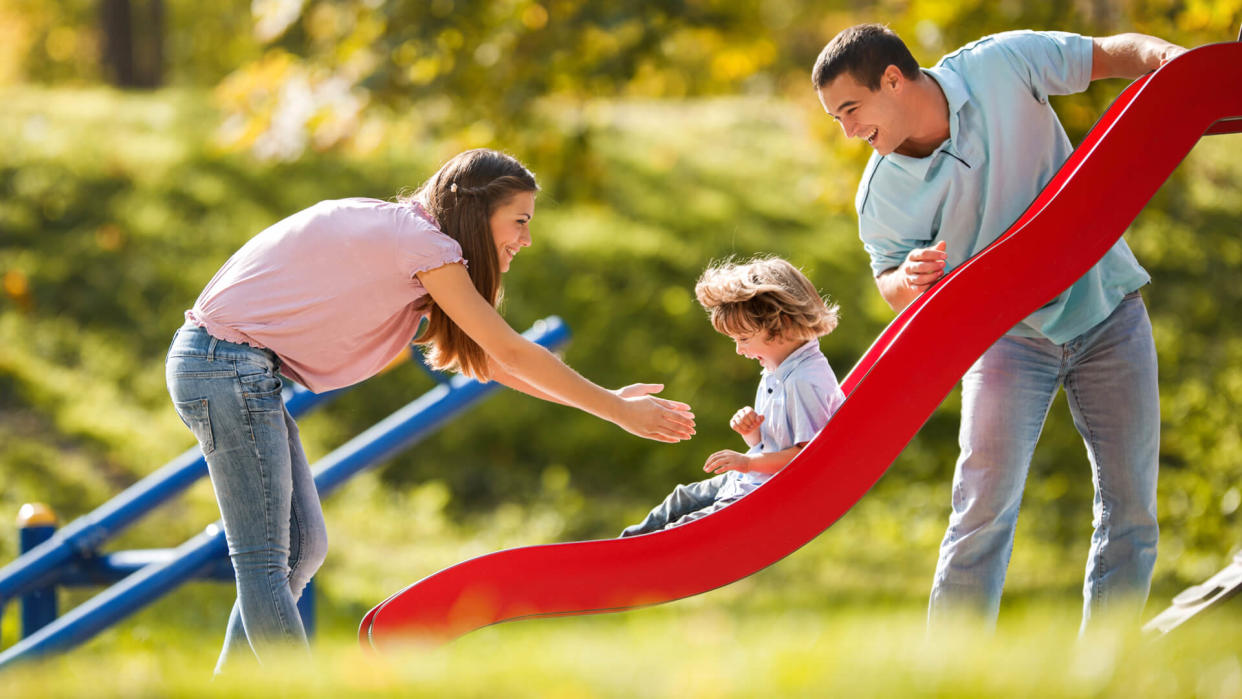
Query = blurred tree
x=478 y=68
x=130 y=43
x=414 y=49
x=476 y=71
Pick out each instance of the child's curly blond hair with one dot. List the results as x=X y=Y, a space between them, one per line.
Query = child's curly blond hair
x=764 y=294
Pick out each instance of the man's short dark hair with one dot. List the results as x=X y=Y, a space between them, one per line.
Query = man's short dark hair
x=864 y=51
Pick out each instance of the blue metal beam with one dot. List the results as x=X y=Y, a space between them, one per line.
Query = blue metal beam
x=111 y=568
x=38 y=567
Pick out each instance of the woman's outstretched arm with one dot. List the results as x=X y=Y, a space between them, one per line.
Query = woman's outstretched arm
x=537 y=368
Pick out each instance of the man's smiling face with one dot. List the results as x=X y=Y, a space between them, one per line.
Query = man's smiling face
x=876 y=116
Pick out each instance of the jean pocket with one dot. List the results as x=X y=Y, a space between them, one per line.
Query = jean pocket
x=262 y=389
x=195 y=415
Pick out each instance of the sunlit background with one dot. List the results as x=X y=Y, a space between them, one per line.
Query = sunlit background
x=142 y=141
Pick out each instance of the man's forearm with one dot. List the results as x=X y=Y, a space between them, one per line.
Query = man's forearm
x=1129 y=55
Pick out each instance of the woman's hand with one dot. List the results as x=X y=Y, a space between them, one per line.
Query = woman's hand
x=727 y=460
x=654 y=418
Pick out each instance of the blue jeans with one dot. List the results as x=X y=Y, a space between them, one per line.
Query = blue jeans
x=1109 y=375
x=685 y=504
x=229 y=395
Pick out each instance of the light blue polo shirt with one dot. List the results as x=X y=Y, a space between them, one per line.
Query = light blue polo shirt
x=795 y=400
x=1005 y=143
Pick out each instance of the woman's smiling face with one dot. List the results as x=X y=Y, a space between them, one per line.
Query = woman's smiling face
x=510 y=224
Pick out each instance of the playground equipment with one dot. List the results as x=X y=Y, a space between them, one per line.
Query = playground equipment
x=1210 y=594
x=1194 y=600
x=1125 y=158
x=70 y=557
x=48 y=555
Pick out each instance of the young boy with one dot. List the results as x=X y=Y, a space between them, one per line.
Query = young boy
x=774 y=315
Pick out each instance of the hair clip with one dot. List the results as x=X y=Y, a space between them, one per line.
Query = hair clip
x=453 y=187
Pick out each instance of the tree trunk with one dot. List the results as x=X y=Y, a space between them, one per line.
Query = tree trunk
x=149 y=49
x=133 y=42
x=118 y=42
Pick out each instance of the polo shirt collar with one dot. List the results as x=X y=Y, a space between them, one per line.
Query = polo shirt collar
x=956 y=94
x=795 y=358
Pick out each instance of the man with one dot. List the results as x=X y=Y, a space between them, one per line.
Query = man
x=961 y=150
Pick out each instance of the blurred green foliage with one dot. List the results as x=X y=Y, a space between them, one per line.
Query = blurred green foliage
x=294 y=75
x=107 y=239
x=60 y=42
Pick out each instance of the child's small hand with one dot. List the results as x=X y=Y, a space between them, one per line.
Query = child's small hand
x=746 y=422
x=727 y=460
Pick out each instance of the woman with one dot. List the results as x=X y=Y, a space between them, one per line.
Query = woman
x=328 y=297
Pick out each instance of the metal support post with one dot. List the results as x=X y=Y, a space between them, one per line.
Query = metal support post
x=36 y=523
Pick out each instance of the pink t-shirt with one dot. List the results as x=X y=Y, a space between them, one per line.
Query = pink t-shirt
x=331 y=289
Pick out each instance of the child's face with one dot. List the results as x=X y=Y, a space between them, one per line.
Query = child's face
x=769 y=352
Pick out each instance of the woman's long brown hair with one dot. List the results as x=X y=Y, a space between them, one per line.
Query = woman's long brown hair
x=461 y=197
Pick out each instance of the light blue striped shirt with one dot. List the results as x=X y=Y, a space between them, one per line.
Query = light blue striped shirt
x=1005 y=143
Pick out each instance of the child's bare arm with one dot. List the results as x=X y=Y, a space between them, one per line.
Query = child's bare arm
x=729 y=460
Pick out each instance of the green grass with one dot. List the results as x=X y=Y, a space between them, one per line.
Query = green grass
x=698 y=649
x=843 y=616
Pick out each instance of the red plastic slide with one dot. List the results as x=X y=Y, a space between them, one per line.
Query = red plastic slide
x=890 y=393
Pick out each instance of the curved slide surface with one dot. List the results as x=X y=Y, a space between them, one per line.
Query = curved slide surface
x=1082 y=212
